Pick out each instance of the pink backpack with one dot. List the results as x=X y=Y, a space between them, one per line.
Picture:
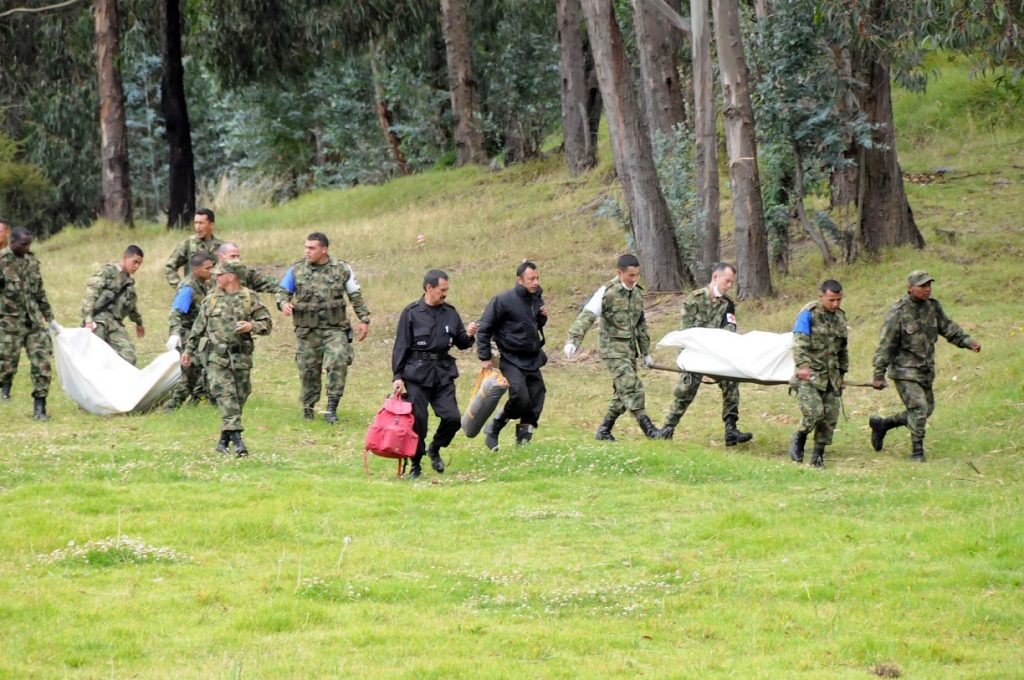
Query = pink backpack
x=391 y=433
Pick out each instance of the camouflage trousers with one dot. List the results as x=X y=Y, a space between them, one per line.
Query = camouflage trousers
x=318 y=351
x=628 y=388
x=38 y=348
x=686 y=390
x=191 y=384
x=230 y=388
x=820 y=411
x=919 y=401
x=116 y=335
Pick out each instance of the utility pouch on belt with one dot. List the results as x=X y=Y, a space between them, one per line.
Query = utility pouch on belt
x=336 y=313
x=305 y=315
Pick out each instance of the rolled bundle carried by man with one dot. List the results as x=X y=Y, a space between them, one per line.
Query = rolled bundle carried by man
x=490 y=387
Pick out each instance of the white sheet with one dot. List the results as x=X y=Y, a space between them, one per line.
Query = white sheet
x=756 y=356
x=103 y=383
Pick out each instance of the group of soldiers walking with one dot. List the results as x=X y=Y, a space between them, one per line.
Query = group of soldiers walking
x=215 y=313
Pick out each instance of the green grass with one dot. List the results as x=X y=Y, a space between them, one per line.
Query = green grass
x=569 y=558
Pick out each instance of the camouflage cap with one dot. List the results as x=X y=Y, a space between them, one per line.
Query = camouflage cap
x=229 y=267
x=919 y=277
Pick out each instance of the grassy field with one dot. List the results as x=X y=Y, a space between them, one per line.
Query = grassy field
x=129 y=548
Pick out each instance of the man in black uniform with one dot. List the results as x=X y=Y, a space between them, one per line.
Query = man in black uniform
x=515 y=319
x=427 y=329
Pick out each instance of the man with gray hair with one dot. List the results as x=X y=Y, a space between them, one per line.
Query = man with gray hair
x=251 y=279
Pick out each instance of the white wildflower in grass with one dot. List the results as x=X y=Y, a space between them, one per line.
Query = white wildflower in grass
x=316 y=588
x=112 y=551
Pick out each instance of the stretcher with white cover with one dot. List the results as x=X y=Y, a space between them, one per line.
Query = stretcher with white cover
x=757 y=356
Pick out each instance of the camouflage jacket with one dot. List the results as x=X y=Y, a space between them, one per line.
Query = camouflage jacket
x=702 y=310
x=213 y=338
x=22 y=296
x=820 y=343
x=185 y=308
x=183 y=254
x=257 y=281
x=317 y=293
x=110 y=294
x=623 y=327
x=906 y=345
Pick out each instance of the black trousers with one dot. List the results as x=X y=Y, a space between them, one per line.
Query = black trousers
x=526 y=392
x=442 y=399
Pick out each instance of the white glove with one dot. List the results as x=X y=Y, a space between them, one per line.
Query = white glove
x=648 y=361
x=569 y=350
x=55 y=327
x=173 y=342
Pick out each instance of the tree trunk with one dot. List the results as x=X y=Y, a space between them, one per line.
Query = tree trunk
x=844 y=181
x=658 y=42
x=117 y=189
x=580 y=149
x=706 y=135
x=801 y=209
x=631 y=148
x=385 y=117
x=886 y=219
x=748 y=211
x=469 y=139
x=181 y=205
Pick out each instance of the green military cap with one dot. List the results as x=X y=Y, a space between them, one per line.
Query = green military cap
x=919 y=277
x=229 y=267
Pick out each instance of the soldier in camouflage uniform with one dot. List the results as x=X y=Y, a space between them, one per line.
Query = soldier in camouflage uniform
x=906 y=348
x=204 y=241
x=222 y=335
x=109 y=298
x=619 y=304
x=313 y=293
x=709 y=307
x=250 y=278
x=821 y=358
x=24 y=314
x=184 y=310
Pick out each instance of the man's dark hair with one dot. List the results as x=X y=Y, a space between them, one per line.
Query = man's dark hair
x=831 y=285
x=627 y=261
x=207 y=213
x=433 y=278
x=521 y=269
x=199 y=259
x=721 y=267
x=133 y=250
x=19 y=233
x=4 y=220
x=321 y=237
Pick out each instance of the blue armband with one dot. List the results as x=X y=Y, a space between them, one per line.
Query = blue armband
x=803 y=323
x=288 y=282
x=183 y=300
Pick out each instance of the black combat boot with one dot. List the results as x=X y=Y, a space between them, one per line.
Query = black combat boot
x=879 y=426
x=240 y=449
x=307 y=413
x=171 y=406
x=524 y=433
x=732 y=435
x=818 y=456
x=650 y=431
x=917 y=451
x=415 y=471
x=39 y=409
x=796 y=446
x=492 y=429
x=5 y=391
x=436 y=462
x=332 y=411
x=667 y=430
x=222 y=445
x=604 y=433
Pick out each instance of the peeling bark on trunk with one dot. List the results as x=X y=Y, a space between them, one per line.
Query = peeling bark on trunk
x=181 y=206
x=658 y=43
x=706 y=135
x=117 y=191
x=469 y=139
x=631 y=148
x=748 y=210
x=579 y=130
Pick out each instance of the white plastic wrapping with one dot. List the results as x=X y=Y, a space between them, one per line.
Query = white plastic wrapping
x=757 y=356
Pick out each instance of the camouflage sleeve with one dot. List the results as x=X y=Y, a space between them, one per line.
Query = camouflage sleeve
x=136 y=316
x=175 y=322
x=643 y=337
x=93 y=291
x=41 y=301
x=259 y=282
x=580 y=326
x=691 y=315
x=801 y=349
x=177 y=260
x=950 y=330
x=198 y=330
x=887 y=341
x=262 y=323
x=359 y=306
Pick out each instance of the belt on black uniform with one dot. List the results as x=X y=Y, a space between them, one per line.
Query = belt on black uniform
x=428 y=356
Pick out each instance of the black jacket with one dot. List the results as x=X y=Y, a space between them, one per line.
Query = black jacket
x=514 y=320
x=423 y=338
